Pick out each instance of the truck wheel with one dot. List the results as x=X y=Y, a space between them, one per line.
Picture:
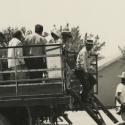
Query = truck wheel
x=4 y=120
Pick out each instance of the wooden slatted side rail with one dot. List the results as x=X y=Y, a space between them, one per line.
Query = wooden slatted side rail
x=23 y=57
x=60 y=45
x=32 y=70
x=29 y=80
x=35 y=101
x=55 y=86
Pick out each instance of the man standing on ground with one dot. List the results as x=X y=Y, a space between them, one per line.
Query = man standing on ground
x=35 y=63
x=120 y=95
x=82 y=70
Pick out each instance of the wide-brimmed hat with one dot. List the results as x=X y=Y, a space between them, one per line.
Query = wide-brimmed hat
x=66 y=31
x=89 y=42
x=56 y=32
x=122 y=76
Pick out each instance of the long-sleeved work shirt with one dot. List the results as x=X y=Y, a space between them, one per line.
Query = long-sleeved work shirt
x=83 y=60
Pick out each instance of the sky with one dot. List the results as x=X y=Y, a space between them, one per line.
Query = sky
x=105 y=18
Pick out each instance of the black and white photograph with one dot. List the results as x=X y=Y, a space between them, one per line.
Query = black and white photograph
x=62 y=62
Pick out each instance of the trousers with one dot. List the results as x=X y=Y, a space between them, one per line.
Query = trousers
x=86 y=82
x=20 y=75
x=36 y=63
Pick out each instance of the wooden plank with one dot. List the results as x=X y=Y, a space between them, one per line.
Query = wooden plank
x=5 y=91
x=104 y=109
x=31 y=84
x=32 y=70
x=38 y=89
x=31 y=96
x=87 y=108
x=30 y=46
x=35 y=101
x=29 y=89
x=23 y=57
x=52 y=80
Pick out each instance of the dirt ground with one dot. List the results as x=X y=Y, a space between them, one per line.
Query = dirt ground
x=82 y=118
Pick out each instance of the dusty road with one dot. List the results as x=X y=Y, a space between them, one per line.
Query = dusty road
x=82 y=118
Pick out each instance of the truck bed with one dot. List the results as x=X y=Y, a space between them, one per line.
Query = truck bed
x=31 y=94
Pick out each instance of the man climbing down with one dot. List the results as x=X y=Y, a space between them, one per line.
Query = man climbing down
x=83 y=61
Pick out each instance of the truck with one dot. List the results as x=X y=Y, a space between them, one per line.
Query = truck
x=45 y=100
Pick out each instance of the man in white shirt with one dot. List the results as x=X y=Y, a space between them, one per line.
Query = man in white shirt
x=120 y=95
x=16 y=64
x=83 y=61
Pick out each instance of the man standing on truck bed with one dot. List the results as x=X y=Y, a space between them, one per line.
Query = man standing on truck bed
x=35 y=63
x=82 y=70
x=56 y=35
x=3 y=53
x=66 y=36
x=16 y=64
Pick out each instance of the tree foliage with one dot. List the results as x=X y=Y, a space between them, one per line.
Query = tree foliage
x=8 y=33
x=75 y=44
x=79 y=43
x=122 y=50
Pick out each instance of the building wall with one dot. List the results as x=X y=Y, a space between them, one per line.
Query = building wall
x=108 y=82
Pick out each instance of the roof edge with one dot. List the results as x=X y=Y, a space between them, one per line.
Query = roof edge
x=110 y=62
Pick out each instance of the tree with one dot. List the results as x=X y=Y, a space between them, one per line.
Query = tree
x=76 y=43
x=8 y=33
x=122 y=50
x=79 y=43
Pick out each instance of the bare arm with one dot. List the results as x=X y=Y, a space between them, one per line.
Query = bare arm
x=117 y=97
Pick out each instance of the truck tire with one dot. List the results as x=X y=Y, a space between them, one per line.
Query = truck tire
x=4 y=120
